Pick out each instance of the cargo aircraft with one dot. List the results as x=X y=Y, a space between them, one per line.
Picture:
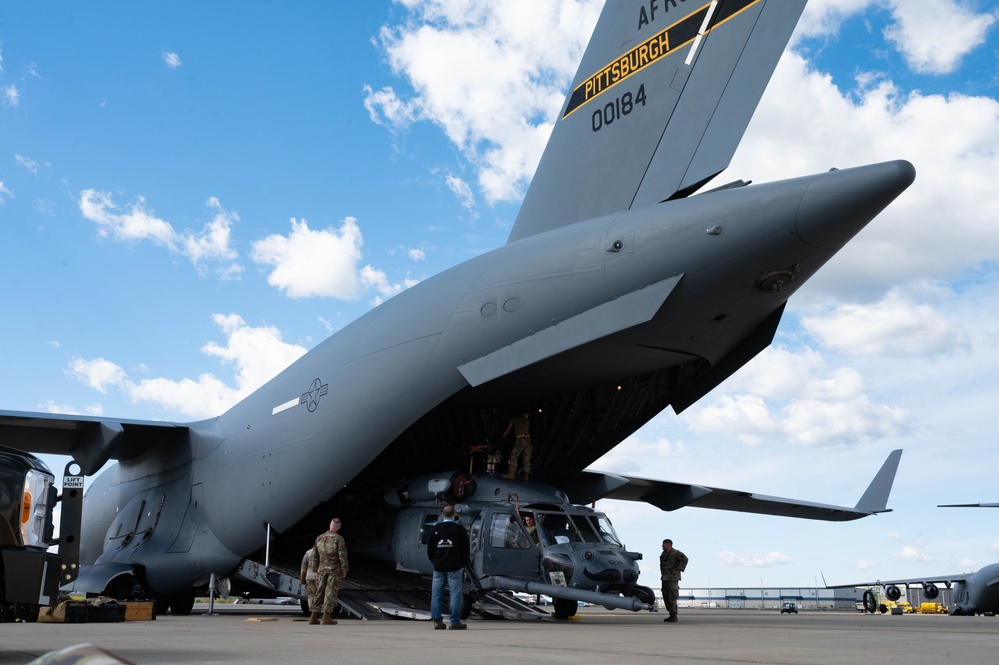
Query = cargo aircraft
x=624 y=288
x=971 y=594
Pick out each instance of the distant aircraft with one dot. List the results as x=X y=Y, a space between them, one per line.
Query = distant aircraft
x=971 y=593
x=619 y=293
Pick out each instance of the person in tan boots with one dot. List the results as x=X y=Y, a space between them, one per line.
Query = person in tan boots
x=329 y=559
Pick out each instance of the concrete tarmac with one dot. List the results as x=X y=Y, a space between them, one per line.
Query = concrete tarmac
x=262 y=634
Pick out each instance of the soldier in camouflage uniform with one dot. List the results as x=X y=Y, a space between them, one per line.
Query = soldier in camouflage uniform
x=671 y=563
x=522 y=448
x=308 y=577
x=329 y=558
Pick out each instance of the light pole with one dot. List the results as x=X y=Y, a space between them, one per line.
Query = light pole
x=761 y=593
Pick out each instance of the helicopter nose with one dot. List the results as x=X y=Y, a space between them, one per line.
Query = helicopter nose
x=838 y=204
x=612 y=575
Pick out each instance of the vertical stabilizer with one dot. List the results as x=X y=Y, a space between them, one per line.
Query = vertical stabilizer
x=662 y=98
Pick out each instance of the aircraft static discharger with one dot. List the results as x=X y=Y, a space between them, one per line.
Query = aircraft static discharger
x=621 y=291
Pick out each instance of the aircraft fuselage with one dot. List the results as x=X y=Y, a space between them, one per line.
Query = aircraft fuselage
x=661 y=285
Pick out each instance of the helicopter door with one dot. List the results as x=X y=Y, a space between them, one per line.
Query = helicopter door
x=506 y=547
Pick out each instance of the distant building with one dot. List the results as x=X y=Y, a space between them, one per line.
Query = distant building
x=771 y=598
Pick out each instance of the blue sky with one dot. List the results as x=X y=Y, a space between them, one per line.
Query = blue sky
x=188 y=203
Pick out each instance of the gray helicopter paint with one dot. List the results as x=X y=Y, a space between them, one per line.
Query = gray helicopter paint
x=600 y=286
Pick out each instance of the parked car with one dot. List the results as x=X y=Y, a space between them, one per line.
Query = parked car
x=789 y=608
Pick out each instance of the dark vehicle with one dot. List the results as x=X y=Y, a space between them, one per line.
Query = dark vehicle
x=789 y=608
x=30 y=575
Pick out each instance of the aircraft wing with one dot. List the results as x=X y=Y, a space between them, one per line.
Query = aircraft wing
x=592 y=485
x=91 y=440
x=662 y=97
x=939 y=579
x=968 y=505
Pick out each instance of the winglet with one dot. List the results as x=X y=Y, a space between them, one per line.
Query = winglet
x=875 y=499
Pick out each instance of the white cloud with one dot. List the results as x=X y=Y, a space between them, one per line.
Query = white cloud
x=747 y=560
x=893 y=327
x=933 y=35
x=310 y=263
x=29 y=163
x=863 y=564
x=387 y=109
x=633 y=457
x=823 y=17
x=910 y=554
x=214 y=241
x=966 y=564
x=416 y=254
x=99 y=373
x=4 y=192
x=795 y=396
x=461 y=189
x=466 y=60
x=257 y=354
x=171 y=59
x=136 y=224
x=92 y=410
x=11 y=97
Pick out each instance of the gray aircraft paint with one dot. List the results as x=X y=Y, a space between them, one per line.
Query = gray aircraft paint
x=605 y=307
x=971 y=593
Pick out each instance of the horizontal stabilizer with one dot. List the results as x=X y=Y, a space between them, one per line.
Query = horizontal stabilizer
x=592 y=485
x=613 y=316
x=90 y=440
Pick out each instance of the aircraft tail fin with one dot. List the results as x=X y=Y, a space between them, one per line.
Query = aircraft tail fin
x=875 y=499
x=659 y=104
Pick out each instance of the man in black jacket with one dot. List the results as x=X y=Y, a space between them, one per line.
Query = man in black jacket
x=447 y=549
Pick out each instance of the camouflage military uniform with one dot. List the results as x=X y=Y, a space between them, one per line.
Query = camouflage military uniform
x=308 y=577
x=522 y=447
x=671 y=564
x=329 y=558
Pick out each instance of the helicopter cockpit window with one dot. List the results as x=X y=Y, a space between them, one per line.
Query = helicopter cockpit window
x=585 y=530
x=606 y=530
x=505 y=531
x=560 y=527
